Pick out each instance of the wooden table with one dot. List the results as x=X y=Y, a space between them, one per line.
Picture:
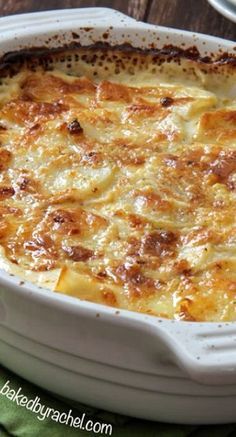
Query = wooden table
x=195 y=15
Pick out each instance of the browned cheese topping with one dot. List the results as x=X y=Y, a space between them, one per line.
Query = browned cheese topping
x=119 y=187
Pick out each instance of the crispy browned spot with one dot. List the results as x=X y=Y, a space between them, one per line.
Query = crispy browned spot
x=109 y=298
x=40 y=243
x=6 y=192
x=43 y=250
x=147 y=110
x=28 y=184
x=184 y=312
x=166 y=101
x=74 y=127
x=159 y=243
x=187 y=161
x=126 y=157
x=3 y=229
x=78 y=253
x=74 y=221
x=132 y=274
x=113 y=92
x=201 y=235
x=152 y=200
x=135 y=220
x=218 y=125
x=7 y=210
x=37 y=87
x=5 y=159
x=182 y=267
x=66 y=222
x=223 y=166
x=21 y=111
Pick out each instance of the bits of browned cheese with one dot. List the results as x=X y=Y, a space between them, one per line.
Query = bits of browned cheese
x=166 y=101
x=74 y=127
x=78 y=253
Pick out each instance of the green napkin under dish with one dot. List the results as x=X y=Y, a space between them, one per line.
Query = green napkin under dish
x=16 y=420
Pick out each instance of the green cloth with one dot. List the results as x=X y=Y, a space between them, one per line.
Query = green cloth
x=18 y=421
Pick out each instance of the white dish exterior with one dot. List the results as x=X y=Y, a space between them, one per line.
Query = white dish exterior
x=233 y=2
x=225 y=7
x=125 y=362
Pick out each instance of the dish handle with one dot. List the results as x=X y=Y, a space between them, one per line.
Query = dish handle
x=206 y=352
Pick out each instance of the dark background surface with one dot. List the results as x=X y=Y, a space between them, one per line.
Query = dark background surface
x=195 y=15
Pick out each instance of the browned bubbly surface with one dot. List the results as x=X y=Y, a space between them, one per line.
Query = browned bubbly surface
x=121 y=190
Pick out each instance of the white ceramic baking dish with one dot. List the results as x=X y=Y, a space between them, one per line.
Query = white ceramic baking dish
x=125 y=362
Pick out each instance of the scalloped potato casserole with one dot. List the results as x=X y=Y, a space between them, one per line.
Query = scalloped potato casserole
x=118 y=179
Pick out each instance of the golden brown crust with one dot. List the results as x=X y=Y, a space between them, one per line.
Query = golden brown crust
x=126 y=187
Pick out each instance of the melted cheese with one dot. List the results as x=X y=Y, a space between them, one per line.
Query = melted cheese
x=121 y=190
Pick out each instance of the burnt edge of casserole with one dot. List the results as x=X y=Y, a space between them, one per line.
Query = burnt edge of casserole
x=33 y=57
